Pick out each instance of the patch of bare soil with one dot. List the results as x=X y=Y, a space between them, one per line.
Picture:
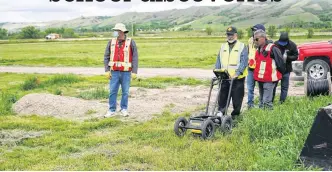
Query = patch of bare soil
x=144 y=104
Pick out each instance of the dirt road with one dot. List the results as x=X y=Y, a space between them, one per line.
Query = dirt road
x=142 y=72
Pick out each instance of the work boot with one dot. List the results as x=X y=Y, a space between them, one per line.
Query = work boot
x=109 y=114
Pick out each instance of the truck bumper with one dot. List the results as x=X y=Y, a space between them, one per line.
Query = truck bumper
x=297 y=67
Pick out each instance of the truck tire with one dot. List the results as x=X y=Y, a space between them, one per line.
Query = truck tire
x=317 y=69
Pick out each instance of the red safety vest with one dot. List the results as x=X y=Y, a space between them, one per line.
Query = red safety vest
x=266 y=69
x=121 y=57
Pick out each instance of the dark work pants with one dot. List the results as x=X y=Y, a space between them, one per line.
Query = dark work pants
x=284 y=88
x=237 y=95
x=266 y=94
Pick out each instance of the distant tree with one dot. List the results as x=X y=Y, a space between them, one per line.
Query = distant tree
x=249 y=32
x=271 y=31
x=209 y=30
x=134 y=30
x=30 y=32
x=42 y=34
x=61 y=30
x=288 y=30
x=51 y=30
x=240 y=34
x=69 y=33
x=185 y=28
x=310 y=33
x=3 y=33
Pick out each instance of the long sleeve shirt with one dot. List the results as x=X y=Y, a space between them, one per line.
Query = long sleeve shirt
x=277 y=56
x=134 y=55
x=292 y=54
x=243 y=61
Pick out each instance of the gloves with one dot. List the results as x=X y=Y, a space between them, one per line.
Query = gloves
x=108 y=74
x=133 y=76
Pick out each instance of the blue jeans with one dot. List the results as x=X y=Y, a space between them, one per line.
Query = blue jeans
x=284 y=87
x=251 y=87
x=123 y=79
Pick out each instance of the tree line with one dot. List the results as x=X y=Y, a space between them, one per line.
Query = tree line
x=271 y=32
x=31 y=32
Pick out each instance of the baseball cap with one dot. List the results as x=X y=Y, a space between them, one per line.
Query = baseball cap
x=258 y=27
x=231 y=30
x=284 y=39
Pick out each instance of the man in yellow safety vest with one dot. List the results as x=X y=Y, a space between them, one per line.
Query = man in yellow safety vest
x=233 y=56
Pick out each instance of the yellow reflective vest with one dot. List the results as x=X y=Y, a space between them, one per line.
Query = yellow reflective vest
x=252 y=52
x=230 y=60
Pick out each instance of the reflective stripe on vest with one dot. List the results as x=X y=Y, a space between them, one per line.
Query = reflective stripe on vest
x=231 y=60
x=262 y=70
x=126 y=55
x=252 y=53
x=126 y=64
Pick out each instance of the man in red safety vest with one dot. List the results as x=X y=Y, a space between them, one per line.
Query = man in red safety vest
x=121 y=64
x=269 y=68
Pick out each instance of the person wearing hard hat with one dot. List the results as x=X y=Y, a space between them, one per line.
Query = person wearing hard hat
x=121 y=65
x=251 y=65
x=290 y=53
x=233 y=57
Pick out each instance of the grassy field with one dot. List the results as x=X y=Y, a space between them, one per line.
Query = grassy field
x=262 y=140
x=175 y=52
x=81 y=86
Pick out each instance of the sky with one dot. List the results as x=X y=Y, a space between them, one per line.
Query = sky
x=44 y=10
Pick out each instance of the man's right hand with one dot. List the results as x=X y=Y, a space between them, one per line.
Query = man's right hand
x=108 y=74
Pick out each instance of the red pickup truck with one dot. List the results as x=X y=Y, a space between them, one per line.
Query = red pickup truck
x=315 y=59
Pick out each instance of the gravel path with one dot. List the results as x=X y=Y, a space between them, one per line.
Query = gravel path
x=142 y=72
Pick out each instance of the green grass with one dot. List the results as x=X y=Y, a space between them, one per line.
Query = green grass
x=87 y=87
x=6 y=101
x=61 y=80
x=30 y=83
x=98 y=93
x=163 y=82
x=299 y=84
x=263 y=140
x=154 y=52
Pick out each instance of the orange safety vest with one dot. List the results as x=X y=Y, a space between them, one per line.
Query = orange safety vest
x=121 y=57
x=266 y=69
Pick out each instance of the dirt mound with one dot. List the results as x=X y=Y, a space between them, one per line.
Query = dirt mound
x=59 y=106
x=143 y=104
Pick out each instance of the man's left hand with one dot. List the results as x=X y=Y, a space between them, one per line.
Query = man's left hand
x=133 y=76
x=234 y=76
